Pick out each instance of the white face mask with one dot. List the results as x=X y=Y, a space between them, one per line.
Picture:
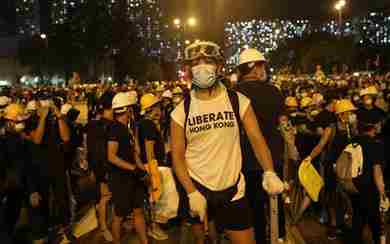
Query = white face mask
x=204 y=75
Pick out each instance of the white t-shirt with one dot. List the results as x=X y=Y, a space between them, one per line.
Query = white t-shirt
x=213 y=152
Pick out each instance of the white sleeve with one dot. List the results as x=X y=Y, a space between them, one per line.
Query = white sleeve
x=178 y=114
x=244 y=104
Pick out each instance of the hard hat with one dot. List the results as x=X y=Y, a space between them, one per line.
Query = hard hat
x=251 y=55
x=291 y=102
x=203 y=49
x=344 y=105
x=318 y=99
x=4 y=101
x=160 y=88
x=177 y=91
x=147 y=101
x=121 y=101
x=32 y=106
x=306 y=102
x=15 y=112
x=371 y=90
x=66 y=108
x=167 y=94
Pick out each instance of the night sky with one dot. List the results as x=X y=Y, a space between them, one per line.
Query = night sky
x=213 y=13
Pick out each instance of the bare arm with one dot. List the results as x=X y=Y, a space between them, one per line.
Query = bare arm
x=38 y=133
x=378 y=178
x=257 y=140
x=325 y=138
x=64 y=130
x=115 y=160
x=178 y=158
x=149 y=146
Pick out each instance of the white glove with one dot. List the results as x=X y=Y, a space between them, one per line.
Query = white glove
x=198 y=205
x=272 y=183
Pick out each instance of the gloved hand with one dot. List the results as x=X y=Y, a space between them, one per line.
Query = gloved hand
x=198 y=205
x=384 y=204
x=272 y=183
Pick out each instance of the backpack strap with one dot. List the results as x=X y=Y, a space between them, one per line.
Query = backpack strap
x=234 y=101
x=187 y=103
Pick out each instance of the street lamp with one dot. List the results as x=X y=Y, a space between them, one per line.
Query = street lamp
x=339 y=6
x=192 y=22
x=176 y=22
x=43 y=36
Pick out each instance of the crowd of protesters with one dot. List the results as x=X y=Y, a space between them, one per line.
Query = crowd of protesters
x=226 y=144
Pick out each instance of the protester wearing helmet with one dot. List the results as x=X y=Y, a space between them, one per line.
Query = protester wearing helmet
x=14 y=158
x=127 y=189
x=204 y=127
x=152 y=147
x=268 y=106
x=369 y=112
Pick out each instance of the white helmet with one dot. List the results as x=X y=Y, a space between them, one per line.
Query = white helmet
x=251 y=55
x=4 y=101
x=121 y=101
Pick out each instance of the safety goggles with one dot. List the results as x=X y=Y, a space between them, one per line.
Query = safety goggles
x=204 y=49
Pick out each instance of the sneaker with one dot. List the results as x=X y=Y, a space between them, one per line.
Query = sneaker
x=332 y=233
x=107 y=235
x=157 y=233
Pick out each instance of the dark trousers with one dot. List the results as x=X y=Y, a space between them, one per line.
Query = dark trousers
x=258 y=199
x=366 y=211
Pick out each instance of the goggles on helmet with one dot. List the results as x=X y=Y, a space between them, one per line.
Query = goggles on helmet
x=203 y=49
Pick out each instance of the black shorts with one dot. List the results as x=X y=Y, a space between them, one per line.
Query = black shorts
x=227 y=215
x=128 y=193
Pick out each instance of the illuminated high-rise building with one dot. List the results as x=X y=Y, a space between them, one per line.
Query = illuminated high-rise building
x=27 y=17
x=62 y=10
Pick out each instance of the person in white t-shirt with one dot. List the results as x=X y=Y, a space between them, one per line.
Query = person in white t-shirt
x=206 y=149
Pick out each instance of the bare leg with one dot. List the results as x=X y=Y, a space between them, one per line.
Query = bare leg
x=140 y=225
x=116 y=228
x=102 y=206
x=198 y=231
x=241 y=236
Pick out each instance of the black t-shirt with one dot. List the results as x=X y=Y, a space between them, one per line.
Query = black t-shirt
x=325 y=119
x=120 y=133
x=374 y=115
x=148 y=131
x=373 y=154
x=97 y=137
x=268 y=104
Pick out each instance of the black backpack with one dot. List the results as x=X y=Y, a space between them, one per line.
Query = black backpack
x=233 y=97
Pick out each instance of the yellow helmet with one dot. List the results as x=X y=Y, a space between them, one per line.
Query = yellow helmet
x=15 y=112
x=147 y=101
x=177 y=91
x=371 y=90
x=291 y=102
x=344 y=105
x=306 y=102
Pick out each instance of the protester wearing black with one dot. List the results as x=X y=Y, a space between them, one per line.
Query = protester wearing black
x=366 y=204
x=268 y=105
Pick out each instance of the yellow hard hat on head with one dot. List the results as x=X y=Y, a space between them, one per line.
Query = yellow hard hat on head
x=147 y=101
x=291 y=102
x=15 y=112
x=343 y=106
